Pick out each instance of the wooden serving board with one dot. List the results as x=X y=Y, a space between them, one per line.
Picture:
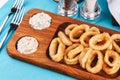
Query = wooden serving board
x=41 y=57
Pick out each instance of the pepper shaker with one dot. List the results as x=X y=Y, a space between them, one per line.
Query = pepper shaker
x=67 y=8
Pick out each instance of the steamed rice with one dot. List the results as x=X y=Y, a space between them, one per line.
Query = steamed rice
x=40 y=21
x=27 y=45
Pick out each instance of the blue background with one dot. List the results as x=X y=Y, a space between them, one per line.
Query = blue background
x=12 y=69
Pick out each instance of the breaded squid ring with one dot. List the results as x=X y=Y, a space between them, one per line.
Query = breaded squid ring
x=84 y=56
x=64 y=38
x=100 y=41
x=111 y=54
x=98 y=67
x=94 y=29
x=110 y=46
x=85 y=37
x=72 y=53
x=76 y=33
x=111 y=67
x=116 y=42
x=56 y=50
x=69 y=28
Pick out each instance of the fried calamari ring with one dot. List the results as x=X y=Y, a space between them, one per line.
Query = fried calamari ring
x=69 y=28
x=112 y=62
x=77 y=32
x=110 y=54
x=98 y=66
x=94 y=29
x=110 y=46
x=56 y=50
x=64 y=38
x=84 y=56
x=85 y=37
x=116 y=42
x=72 y=53
x=100 y=41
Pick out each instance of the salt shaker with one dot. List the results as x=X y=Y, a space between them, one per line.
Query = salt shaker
x=90 y=9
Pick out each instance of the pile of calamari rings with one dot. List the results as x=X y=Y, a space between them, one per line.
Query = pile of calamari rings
x=87 y=46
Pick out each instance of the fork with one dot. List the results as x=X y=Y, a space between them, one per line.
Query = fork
x=16 y=6
x=14 y=24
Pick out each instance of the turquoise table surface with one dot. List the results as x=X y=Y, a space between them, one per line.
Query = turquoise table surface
x=13 y=69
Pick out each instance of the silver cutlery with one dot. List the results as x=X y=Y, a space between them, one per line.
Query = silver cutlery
x=14 y=24
x=16 y=6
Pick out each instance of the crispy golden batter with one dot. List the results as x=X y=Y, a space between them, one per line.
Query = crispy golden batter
x=98 y=66
x=76 y=33
x=69 y=28
x=64 y=38
x=100 y=41
x=85 y=37
x=56 y=50
x=94 y=29
x=84 y=56
x=116 y=42
x=72 y=53
x=111 y=67
x=88 y=47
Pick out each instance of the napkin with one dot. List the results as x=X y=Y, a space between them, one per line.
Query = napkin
x=2 y=3
x=114 y=7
